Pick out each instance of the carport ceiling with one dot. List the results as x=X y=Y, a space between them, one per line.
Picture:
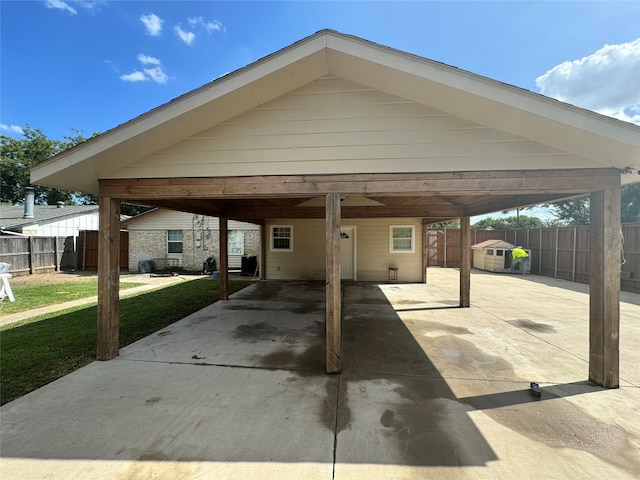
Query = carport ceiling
x=432 y=208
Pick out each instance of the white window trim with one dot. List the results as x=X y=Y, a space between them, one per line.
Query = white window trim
x=175 y=241
x=271 y=248
x=413 y=238
x=229 y=242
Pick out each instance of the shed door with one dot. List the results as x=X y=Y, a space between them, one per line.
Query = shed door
x=347 y=257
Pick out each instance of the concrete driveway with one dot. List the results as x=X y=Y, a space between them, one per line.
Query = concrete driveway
x=428 y=390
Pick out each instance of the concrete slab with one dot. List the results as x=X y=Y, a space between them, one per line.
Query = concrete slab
x=428 y=390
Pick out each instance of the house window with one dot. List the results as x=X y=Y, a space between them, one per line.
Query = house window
x=282 y=238
x=235 y=243
x=401 y=239
x=174 y=241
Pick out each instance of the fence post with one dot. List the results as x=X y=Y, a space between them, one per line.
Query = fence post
x=555 y=266
x=540 y=254
x=573 y=266
x=445 y=247
x=56 y=254
x=31 y=254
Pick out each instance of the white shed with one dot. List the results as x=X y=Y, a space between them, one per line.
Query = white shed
x=494 y=255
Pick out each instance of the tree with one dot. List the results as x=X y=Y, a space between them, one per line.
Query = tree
x=630 y=197
x=508 y=223
x=577 y=212
x=571 y=212
x=448 y=224
x=19 y=155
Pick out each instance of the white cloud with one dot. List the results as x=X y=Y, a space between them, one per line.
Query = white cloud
x=147 y=60
x=607 y=81
x=152 y=23
x=60 y=5
x=187 y=37
x=209 y=25
x=155 y=74
x=15 y=129
x=136 y=76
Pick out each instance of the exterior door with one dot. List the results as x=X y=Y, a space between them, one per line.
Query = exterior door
x=347 y=253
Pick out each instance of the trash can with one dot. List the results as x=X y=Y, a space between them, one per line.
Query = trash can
x=146 y=266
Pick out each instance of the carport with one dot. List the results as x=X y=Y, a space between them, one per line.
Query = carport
x=333 y=117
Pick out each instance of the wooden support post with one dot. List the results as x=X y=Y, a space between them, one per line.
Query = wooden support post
x=224 y=260
x=604 y=292
x=425 y=252
x=465 y=262
x=333 y=294
x=108 y=279
x=262 y=260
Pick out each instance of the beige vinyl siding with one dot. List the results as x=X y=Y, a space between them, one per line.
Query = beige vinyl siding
x=335 y=126
x=172 y=220
x=307 y=261
x=374 y=257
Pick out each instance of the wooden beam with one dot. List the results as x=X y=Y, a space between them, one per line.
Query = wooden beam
x=224 y=259
x=604 y=292
x=506 y=182
x=262 y=259
x=333 y=292
x=465 y=261
x=108 y=279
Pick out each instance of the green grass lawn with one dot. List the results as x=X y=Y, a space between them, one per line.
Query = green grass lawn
x=29 y=297
x=39 y=350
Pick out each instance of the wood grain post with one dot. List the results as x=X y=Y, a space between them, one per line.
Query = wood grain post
x=224 y=259
x=465 y=261
x=425 y=251
x=604 y=292
x=333 y=293
x=108 y=279
x=262 y=260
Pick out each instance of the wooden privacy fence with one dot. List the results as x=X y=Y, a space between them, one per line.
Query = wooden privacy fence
x=88 y=250
x=30 y=255
x=555 y=252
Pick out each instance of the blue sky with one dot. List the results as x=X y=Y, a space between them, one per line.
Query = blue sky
x=92 y=65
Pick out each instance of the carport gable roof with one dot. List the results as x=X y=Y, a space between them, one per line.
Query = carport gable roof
x=601 y=141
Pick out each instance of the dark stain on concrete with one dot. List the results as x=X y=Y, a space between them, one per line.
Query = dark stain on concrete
x=425 y=426
x=527 y=324
x=335 y=412
x=409 y=302
x=152 y=400
x=443 y=327
x=308 y=362
x=464 y=358
x=257 y=332
x=309 y=308
x=164 y=333
x=152 y=456
x=387 y=418
x=243 y=307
